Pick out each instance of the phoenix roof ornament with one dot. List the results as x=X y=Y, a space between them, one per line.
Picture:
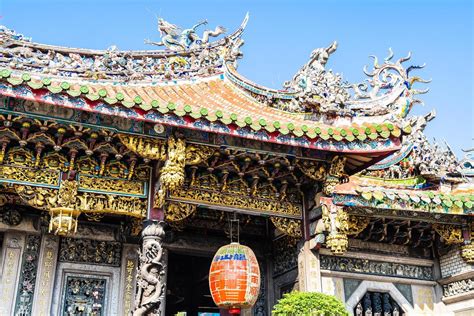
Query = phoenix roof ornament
x=176 y=39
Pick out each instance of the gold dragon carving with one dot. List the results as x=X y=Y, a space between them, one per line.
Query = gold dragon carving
x=178 y=211
x=335 y=175
x=196 y=154
x=312 y=169
x=290 y=227
x=157 y=149
x=451 y=234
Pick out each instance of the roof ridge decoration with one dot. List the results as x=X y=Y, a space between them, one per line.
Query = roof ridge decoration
x=177 y=39
x=418 y=157
x=188 y=56
x=466 y=165
x=320 y=94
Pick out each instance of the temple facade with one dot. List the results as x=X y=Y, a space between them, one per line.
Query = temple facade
x=123 y=172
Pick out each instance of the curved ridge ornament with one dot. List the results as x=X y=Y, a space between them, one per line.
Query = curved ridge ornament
x=388 y=79
x=389 y=90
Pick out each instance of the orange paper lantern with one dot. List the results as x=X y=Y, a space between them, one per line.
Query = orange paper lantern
x=234 y=277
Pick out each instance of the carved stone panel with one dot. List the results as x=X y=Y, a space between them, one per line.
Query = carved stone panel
x=458 y=287
x=84 y=296
x=28 y=272
x=365 y=266
x=92 y=288
x=285 y=255
x=90 y=251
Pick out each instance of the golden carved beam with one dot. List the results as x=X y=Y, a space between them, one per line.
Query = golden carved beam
x=146 y=147
x=48 y=198
x=158 y=149
x=234 y=200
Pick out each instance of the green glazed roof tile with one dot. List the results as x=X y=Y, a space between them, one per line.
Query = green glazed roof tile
x=347 y=133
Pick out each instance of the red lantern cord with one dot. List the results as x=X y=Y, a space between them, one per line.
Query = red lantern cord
x=231 y=222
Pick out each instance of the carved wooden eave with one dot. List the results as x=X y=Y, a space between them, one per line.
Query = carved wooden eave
x=39 y=158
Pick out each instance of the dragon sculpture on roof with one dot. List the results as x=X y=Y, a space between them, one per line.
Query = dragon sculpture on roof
x=176 y=39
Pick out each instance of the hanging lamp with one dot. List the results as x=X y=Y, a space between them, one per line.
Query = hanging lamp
x=234 y=277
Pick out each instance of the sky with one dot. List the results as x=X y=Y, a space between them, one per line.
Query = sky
x=281 y=34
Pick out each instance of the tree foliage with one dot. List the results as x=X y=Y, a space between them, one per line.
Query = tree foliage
x=309 y=304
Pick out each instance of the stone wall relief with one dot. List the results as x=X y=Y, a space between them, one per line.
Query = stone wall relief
x=27 y=280
x=84 y=295
x=458 y=287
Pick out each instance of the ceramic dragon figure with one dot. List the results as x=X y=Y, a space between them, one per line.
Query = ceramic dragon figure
x=174 y=38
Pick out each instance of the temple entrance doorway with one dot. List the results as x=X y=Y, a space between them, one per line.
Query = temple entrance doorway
x=187 y=286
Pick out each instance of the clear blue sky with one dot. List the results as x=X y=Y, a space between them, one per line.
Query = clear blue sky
x=281 y=34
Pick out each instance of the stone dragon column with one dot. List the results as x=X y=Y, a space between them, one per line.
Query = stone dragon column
x=151 y=277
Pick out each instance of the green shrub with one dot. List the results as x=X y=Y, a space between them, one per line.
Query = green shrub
x=309 y=304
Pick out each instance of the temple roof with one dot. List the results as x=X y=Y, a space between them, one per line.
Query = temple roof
x=422 y=176
x=194 y=83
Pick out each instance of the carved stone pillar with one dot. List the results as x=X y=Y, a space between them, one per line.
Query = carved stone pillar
x=151 y=277
x=13 y=247
x=46 y=275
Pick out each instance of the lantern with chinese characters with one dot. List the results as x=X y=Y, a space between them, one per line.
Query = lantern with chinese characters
x=234 y=278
